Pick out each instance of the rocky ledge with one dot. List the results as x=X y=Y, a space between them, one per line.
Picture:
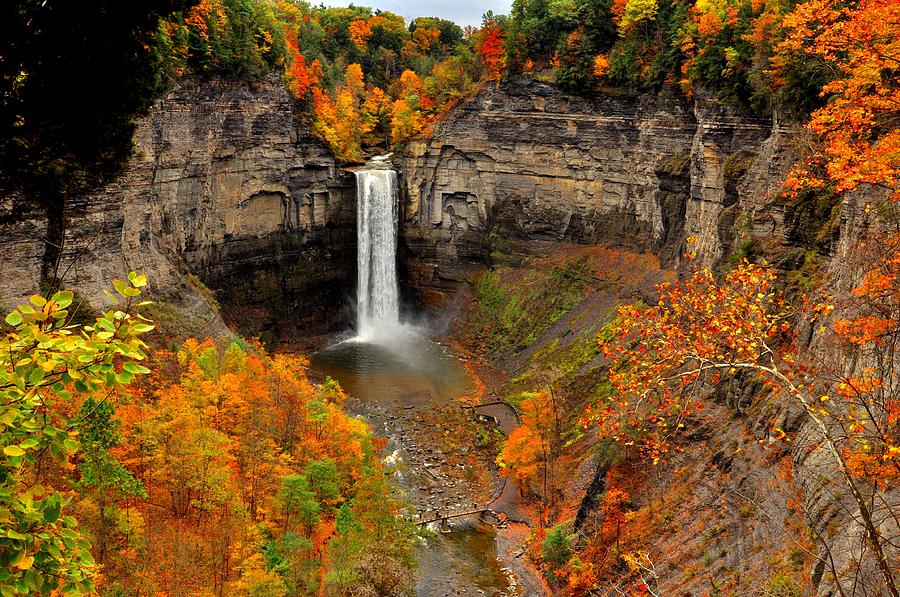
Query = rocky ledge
x=525 y=160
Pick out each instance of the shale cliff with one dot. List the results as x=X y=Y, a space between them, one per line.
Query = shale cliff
x=524 y=161
x=527 y=161
x=226 y=189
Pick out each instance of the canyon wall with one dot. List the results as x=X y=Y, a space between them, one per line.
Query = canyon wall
x=643 y=173
x=227 y=190
x=525 y=161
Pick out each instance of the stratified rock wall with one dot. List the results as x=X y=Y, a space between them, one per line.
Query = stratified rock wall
x=226 y=186
x=526 y=160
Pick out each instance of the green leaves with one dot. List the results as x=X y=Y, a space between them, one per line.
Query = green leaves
x=45 y=358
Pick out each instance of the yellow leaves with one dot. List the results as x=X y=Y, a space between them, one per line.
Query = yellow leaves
x=637 y=11
x=24 y=561
x=698 y=330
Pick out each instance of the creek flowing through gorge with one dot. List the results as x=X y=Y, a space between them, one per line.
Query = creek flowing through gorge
x=409 y=387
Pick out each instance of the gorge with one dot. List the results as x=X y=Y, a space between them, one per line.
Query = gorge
x=243 y=221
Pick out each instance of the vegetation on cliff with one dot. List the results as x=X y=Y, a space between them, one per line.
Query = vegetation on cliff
x=366 y=77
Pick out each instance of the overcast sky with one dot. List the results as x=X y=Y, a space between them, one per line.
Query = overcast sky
x=463 y=12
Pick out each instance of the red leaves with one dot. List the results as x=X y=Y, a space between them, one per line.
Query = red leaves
x=490 y=46
x=863 y=330
x=300 y=77
x=663 y=355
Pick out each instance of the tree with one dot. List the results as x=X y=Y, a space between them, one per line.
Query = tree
x=360 y=32
x=637 y=11
x=323 y=480
x=298 y=502
x=557 y=546
x=533 y=446
x=100 y=472
x=702 y=330
x=858 y=141
x=100 y=58
x=300 y=76
x=376 y=111
x=406 y=122
x=490 y=46
x=46 y=360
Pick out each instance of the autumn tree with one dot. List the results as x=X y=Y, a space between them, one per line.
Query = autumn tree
x=406 y=121
x=48 y=361
x=360 y=32
x=703 y=330
x=489 y=44
x=244 y=462
x=856 y=133
x=376 y=114
x=300 y=75
x=532 y=447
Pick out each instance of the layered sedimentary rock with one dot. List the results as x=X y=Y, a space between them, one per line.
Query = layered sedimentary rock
x=645 y=173
x=227 y=189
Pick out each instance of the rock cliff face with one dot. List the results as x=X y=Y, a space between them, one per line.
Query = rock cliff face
x=528 y=161
x=226 y=189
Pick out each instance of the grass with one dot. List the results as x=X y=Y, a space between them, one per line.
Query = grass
x=515 y=315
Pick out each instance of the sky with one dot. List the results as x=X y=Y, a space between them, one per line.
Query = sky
x=462 y=12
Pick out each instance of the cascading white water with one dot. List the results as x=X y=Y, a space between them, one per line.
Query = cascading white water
x=377 y=296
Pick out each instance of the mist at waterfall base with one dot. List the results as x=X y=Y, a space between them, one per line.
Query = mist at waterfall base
x=392 y=370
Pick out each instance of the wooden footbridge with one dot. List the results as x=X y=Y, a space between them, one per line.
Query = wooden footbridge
x=484 y=513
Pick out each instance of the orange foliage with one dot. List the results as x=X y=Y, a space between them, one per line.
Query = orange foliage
x=601 y=65
x=698 y=330
x=300 y=77
x=702 y=330
x=860 y=43
x=426 y=38
x=212 y=435
x=360 y=32
x=490 y=46
x=709 y=24
x=530 y=450
x=353 y=79
x=339 y=119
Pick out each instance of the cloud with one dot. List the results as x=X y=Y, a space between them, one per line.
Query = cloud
x=463 y=12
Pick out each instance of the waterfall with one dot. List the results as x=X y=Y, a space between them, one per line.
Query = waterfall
x=377 y=296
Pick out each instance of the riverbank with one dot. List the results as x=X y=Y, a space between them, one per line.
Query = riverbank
x=511 y=536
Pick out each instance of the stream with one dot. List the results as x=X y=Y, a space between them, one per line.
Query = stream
x=409 y=387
